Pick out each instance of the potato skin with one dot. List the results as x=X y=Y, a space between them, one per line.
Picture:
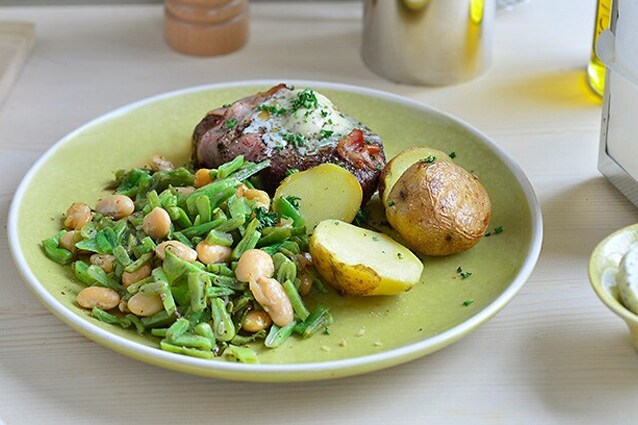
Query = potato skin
x=358 y=261
x=395 y=168
x=347 y=280
x=438 y=208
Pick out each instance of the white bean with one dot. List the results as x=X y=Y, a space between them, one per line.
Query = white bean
x=69 y=239
x=256 y=320
x=105 y=261
x=77 y=216
x=115 y=206
x=254 y=264
x=145 y=305
x=271 y=296
x=129 y=278
x=159 y=163
x=157 y=223
x=209 y=253
x=97 y=296
x=178 y=249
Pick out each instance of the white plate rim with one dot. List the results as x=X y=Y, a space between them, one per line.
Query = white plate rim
x=275 y=372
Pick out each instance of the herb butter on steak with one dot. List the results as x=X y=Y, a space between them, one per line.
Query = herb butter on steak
x=296 y=130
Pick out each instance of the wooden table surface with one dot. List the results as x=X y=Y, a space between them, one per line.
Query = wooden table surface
x=555 y=354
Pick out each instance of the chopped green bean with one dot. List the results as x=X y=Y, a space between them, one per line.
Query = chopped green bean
x=159 y=332
x=247 y=339
x=103 y=316
x=197 y=283
x=286 y=209
x=287 y=271
x=139 y=327
x=102 y=279
x=204 y=329
x=231 y=224
x=54 y=252
x=215 y=191
x=241 y=354
x=135 y=287
x=276 y=235
x=160 y=319
x=320 y=318
x=295 y=299
x=143 y=259
x=223 y=326
x=193 y=352
x=146 y=245
x=228 y=168
x=250 y=169
x=183 y=239
x=177 y=329
x=178 y=177
x=202 y=203
x=220 y=269
x=217 y=237
x=249 y=241
x=277 y=336
x=122 y=256
x=217 y=291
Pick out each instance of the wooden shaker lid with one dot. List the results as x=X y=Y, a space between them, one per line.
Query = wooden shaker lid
x=206 y=27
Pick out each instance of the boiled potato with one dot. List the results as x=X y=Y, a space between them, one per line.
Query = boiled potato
x=357 y=261
x=324 y=192
x=438 y=208
x=394 y=169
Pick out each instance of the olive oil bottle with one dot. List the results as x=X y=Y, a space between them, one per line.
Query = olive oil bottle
x=596 y=69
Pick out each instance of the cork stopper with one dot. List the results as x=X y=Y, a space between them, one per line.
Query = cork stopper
x=206 y=27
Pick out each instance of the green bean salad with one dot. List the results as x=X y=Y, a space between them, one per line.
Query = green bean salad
x=201 y=259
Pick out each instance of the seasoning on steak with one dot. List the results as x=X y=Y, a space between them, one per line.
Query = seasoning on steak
x=295 y=129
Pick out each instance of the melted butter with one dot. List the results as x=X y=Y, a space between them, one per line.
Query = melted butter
x=307 y=128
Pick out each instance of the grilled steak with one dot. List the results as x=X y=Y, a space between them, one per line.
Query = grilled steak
x=296 y=130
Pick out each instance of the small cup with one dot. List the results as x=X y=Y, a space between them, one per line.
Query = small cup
x=603 y=265
x=428 y=42
x=206 y=27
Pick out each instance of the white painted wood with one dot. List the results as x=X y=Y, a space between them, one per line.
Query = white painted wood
x=16 y=41
x=554 y=355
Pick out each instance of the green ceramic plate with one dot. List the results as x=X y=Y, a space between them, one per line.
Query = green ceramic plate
x=603 y=266
x=369 y=333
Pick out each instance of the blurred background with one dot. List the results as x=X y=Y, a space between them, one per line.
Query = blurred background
x=56 y=2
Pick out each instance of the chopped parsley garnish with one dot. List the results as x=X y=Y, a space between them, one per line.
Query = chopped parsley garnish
x=466 y=303
x=226 y=105
x=452 y=155
x=464 y=275
x=273 y=109
x=495 y=231
x=306 y=99
x=291 y=171
x=391 y=203
x=361 y=218
x=231 y=123
x=324 y=134
x=265 y=218
x=295 y=139
x=324 y=113
x=375 y=238
x=399 y=256
x=293 y=200
x=429 y=159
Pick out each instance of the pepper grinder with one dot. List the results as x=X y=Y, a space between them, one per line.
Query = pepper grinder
x=206 y=27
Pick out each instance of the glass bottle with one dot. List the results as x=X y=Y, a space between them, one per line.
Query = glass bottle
x=596 y=69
